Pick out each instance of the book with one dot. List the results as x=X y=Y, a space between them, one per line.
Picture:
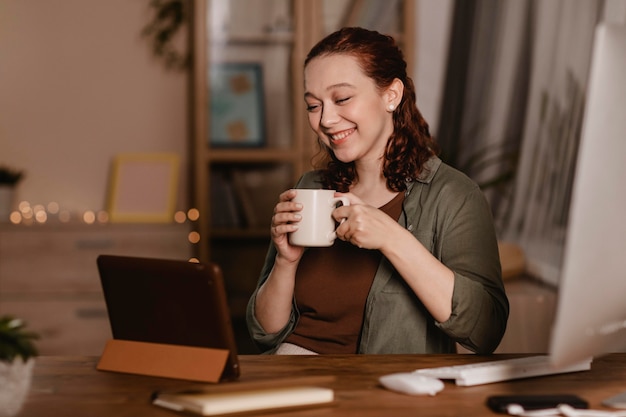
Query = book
x=258 y=191
x=218 y=403
x=225 y=211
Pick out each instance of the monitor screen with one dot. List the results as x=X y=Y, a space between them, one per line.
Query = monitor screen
x=591 y=310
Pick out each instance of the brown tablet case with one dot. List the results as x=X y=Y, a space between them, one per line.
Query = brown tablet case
x=168 y=318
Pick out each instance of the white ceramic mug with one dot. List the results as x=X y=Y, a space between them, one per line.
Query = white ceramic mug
x=317 y=227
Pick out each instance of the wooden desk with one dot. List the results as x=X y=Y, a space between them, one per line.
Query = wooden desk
x=70 y=386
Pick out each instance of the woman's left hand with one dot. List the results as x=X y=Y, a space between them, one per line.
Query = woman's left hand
x=363 y=225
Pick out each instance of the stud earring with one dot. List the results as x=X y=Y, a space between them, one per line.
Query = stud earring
x=391 y=107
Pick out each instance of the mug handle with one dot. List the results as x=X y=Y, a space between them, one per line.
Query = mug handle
x=333 y=201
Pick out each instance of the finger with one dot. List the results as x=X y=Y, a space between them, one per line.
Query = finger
x=341 y=213
x=287 y=195
x=287 y=208
x=282 y=230
x=343 y=231
x=287 y=217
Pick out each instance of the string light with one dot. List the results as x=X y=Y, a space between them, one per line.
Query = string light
x=53 y=207
x=15 y=217
x=193 y=237
x=89 y=217
x=193 y=214
x=180 y=217
x=102 y=217
x=28 y=214
x=41 y=216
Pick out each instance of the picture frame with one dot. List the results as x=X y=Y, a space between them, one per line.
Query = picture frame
x=236 y=105
x=143 y=188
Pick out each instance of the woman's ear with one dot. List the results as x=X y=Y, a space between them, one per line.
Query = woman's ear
x=393 y=94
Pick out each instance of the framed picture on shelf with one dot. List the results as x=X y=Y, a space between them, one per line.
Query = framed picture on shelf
x=236 y=111
x=143 y=188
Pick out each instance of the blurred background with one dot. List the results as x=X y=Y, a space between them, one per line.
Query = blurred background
x=107 y=105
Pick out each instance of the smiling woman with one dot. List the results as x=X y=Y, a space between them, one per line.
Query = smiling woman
x=336 y=108
x=416 y=246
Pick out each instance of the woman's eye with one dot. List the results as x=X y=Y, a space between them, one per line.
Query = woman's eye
x=312 y=107
x=342 y=100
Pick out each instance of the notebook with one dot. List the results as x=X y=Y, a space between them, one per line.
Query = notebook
x=168 y=302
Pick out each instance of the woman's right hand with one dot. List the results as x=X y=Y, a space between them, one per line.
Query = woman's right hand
x=284 y=221
x=274 y=297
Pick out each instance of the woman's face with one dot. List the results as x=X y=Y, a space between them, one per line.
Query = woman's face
x=346 y=110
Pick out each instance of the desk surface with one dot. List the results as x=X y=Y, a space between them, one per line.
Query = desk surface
x=71 y=386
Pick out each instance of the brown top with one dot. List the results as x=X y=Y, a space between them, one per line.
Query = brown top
x=331 y=289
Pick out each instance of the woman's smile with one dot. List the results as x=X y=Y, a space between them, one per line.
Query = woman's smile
x=340 y=137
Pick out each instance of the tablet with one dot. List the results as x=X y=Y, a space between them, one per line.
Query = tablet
x=170 y=302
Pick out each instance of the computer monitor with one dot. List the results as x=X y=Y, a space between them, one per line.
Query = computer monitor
x=591 y=310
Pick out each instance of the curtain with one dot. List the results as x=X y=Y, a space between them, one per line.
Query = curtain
x=512 y=113
x=485 y=95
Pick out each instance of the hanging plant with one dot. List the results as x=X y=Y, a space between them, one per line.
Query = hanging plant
x=169 y=18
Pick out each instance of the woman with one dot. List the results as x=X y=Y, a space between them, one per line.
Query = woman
x=415 y=268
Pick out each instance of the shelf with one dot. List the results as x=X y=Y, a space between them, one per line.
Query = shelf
x=279 y=38
x=252 y=155
x=241 y=233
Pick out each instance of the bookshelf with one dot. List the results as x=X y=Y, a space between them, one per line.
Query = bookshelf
x=235 y=187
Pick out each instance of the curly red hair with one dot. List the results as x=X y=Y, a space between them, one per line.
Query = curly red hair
x=410 y=145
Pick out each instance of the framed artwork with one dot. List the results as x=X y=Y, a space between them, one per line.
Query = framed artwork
x=236 y=111
x=143 y=188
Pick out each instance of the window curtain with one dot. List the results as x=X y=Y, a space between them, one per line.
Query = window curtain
x=512 y=112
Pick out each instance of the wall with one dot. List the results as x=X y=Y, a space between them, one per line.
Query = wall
x=78 y=85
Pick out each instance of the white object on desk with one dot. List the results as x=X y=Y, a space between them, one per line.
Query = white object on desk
x=564 y=410
x=501 y=370
x=411 y=383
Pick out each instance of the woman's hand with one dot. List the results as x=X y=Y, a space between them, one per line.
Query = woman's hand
x=275 y=296
x=285 y=220
x=363 y=225
x=368 y=227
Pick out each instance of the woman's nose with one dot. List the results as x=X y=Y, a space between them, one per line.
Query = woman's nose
x=329 y=117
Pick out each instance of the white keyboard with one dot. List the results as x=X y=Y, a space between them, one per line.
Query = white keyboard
x=501 y=370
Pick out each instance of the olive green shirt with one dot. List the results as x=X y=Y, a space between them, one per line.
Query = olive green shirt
x=448 y=214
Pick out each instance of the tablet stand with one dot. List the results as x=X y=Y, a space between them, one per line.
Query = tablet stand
x=162 y=360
